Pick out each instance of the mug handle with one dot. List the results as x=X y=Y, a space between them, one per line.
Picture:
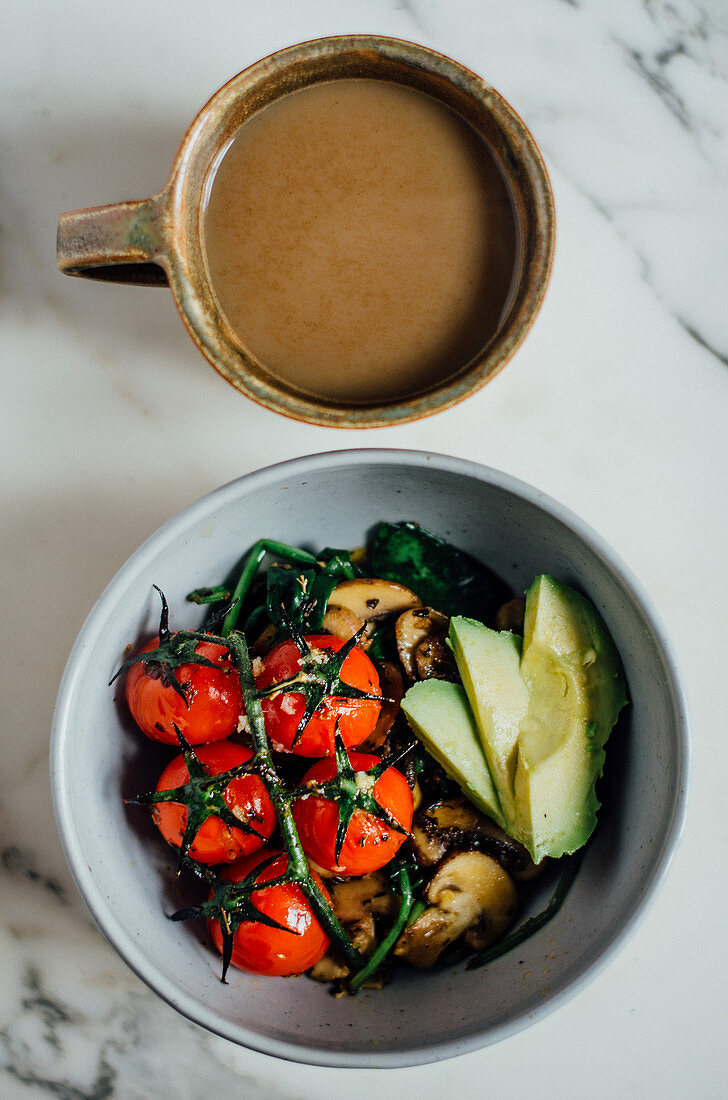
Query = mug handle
x=121 y=243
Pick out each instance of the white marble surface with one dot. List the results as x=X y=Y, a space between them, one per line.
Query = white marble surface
x=111 y=422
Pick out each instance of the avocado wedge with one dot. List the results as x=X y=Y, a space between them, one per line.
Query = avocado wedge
x=489 y=664
x=440 y=717
x=576 y=690
x=544 y=711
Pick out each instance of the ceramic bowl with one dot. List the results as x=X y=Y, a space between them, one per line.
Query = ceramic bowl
x=125 y=872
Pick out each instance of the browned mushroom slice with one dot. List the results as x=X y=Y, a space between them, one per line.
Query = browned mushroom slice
x=428 y=848
x=455 y=818
x=356 y=902
x=511 y=854
x=329 y=968
x=392 y=687
x=354 y=898
x=413 y=629
x=442 y=826
x=469 y=890
x=456 y=824
x=362 y=934
x=341 y=622
x=372 y=600
x=434 y=660
x=510 y=615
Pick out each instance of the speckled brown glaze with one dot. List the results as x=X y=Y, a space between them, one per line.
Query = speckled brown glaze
x=159 y=240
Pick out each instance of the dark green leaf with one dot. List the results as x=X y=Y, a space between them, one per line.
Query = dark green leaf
x=303 y=592
x=321 y=588
x=338 y=563
x=441 y=575
x=288 y=589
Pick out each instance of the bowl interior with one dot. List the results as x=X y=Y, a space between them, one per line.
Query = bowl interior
x=126 y=873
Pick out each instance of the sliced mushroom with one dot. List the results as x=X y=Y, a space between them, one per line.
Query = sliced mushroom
x=413 y=628
x=468 y=891
x=513 y=856
x=392 y=687
x=454 y=815
x=363 y=935
x=356 y=902
x=341 y=622
x=428 y=849
x=329 y=968
x=510 y=615
x=355 y=898
x=434 y=661
x=456 y=824
x=372 y=600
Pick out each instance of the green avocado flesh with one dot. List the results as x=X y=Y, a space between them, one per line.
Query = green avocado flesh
x=439 y=715
x=577 y=689
x=489 y=664
x=543 y=709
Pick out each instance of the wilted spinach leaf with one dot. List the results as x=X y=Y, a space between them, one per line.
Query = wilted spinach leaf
x=442 y=576
x=338 y=563
x=288 y=593
x=300 y=596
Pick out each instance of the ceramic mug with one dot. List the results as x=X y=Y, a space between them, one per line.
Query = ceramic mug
x=159 y=241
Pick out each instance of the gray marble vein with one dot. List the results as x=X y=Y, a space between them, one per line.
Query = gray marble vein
x=635 y=117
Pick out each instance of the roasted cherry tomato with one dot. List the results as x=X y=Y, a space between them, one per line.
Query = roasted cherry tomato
x=211 y=706
x=370 y=842
x=246 y=797
x=354 y=718
x=262 y=949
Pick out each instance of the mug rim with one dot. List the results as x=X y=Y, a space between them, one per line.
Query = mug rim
x=183 y=258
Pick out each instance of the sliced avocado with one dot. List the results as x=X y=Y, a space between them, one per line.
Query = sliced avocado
x=440 y=717
x=544 y=714
x=576 y=691
x=489 y=664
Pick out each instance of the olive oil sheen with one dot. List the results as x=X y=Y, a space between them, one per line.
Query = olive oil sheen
x=360 y=240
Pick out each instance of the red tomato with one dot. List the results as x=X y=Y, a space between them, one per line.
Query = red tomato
x=215 y=841
x=369 y=843
x=275 y=952
x=214 y=698
x=354 y=718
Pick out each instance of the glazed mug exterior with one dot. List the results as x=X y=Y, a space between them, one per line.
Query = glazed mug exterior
x=159 y=241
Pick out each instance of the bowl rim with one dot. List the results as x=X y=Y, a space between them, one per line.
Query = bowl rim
x=410 y=1055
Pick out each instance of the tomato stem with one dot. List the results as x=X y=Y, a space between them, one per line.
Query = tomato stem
x=282 y=550
x=298 y=866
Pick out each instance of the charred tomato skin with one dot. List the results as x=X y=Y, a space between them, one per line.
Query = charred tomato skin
x=353 y=718
x=369 y=843
x=215 y=841
x=274 y=952
x=214 y=699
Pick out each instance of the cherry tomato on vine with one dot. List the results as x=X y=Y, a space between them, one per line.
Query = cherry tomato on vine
x=354 y=718
x=370 y=842
x=262 y=949
x=245 y=795
x=213 y=697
